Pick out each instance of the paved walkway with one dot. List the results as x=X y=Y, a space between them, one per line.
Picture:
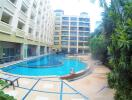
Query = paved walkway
x=94 y=85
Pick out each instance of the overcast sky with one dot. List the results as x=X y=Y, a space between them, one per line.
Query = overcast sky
x=74 y=7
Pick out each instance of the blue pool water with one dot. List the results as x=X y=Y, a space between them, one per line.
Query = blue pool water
x=48 y=65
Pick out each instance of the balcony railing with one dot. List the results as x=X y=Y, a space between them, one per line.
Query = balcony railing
x=20 y=33
x=30 y=36
x=5 y=28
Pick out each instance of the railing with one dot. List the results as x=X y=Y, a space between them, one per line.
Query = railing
x=20 y=33
x=5 y=28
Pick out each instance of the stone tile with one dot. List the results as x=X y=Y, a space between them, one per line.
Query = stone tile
x=48 y=86
x=26 y=82
x=18 y=93
x=72 y=97
x=44 y=96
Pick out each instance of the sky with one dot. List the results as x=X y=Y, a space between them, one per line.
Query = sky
x=74 y=7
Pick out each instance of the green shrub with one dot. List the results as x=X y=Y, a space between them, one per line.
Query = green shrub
x=98 y=47
x=4 y=96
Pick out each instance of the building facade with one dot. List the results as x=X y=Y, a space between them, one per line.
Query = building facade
x=26 y=28
x=71 y=32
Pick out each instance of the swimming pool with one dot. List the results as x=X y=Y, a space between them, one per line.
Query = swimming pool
x=48 y=65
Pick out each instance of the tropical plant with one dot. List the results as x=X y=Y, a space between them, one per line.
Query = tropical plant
x=117 y=31
x=4 y=96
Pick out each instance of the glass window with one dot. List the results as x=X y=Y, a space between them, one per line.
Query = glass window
x=30 y=30
x=73 y=18
x=73 y=23
x=64 y=43
x=64 y=37
x=73 y=38
x=64 y=50
x=34 y=5
x=20 y=25
x=65 y=23
x=57 y=28
x=73 y=28
x=73 y=43
x=23 y=9
x=65 y=28
x=13 y=1
x=56 y=43
x=83 y=38
x=32 y=16
x=73 y=33
x=56 y=33
x=65 y=18
x=6 y=18
x=56 y=38
x=65 y=33
x=73 y=50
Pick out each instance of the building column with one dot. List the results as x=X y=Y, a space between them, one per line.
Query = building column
x=38 y=51
x=24 y=48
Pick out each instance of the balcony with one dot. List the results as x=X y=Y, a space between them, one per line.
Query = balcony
x=30 y=36
x=5 y=28
x=10 y=6
x=22 y=16
x=20 y=33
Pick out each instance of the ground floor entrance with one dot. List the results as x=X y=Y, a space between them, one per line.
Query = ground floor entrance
x=9 y=52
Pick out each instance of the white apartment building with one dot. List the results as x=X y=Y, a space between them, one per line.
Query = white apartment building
x=71 y=32
x=26 y=28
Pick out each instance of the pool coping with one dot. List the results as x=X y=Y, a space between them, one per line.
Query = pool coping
x=51 y=76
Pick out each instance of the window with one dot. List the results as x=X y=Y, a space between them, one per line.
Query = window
x=41 y=3
x=23 y=9
x=73 y=28
x=73 y=43
x=13 y=1
x=32 y=16
x=57 y=23
x=64 y=38
x=6 y=18
x=65 y=23
x=73 y=23
x=83 y=38
x=56 y=43
x=20 y=25
x=56 y=38
x=64 y=43
x=57 y=28
x=34 y=5
x=65 y=28
x=64 y=50
x=81 y=43
x=65 y=33
x=56 y=33
x=65 y=18
x=30 y=30
x=73 y=50
x=73 y=33
x=37 y=34
x=73 y=38
x=73 y=18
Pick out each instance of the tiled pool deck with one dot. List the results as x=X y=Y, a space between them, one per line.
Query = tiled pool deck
x=92 y=87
